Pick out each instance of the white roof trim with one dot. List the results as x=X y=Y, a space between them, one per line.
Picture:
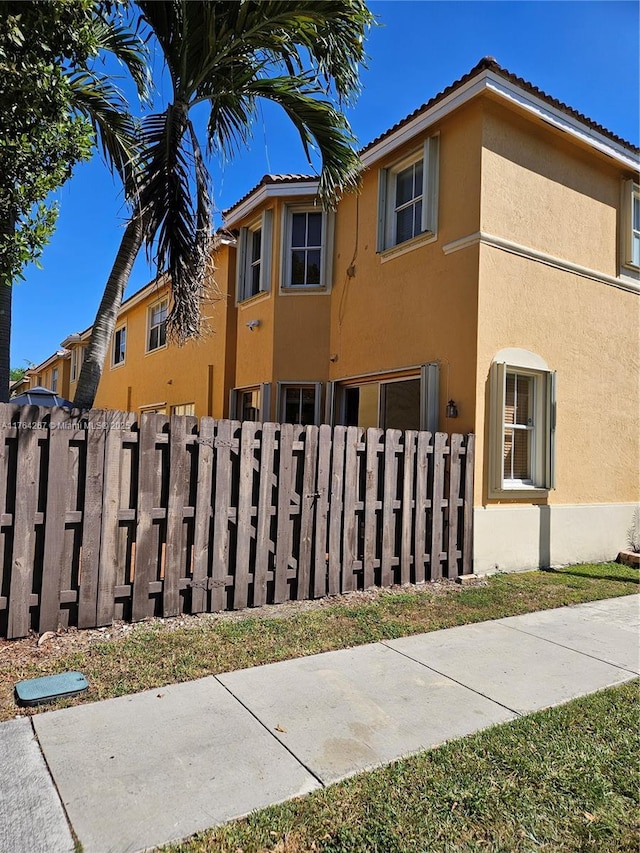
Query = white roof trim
x=489 y=81
x=304 y=188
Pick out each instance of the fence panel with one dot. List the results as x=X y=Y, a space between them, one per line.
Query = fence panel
x=114 y=516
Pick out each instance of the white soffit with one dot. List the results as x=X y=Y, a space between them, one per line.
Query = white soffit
x=272 y=190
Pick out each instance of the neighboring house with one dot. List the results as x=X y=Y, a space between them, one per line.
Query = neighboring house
x=485 y=280
x=53 y=373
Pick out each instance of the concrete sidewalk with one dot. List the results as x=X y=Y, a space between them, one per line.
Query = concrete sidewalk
x=143 y=770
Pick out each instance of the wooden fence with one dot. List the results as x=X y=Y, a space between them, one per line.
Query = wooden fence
x=112 y=516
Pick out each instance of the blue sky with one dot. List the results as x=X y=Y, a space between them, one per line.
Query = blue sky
x=583 y=53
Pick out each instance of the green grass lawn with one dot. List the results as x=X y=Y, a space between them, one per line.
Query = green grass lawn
x=560 y=780
x=152 y=656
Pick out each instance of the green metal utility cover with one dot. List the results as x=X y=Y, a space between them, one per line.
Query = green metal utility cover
x=37 y=691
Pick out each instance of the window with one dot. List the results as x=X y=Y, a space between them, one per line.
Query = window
x=631 y=225
x=408 y=198
x=77 y=357
x=254 y=258
x=300 y=404
x=522 y=424
x=251 y=404
x=307 y=249
x=184 y=409
x=119 y=346
x=54 y=379
x=157 y=326
x=407 y=402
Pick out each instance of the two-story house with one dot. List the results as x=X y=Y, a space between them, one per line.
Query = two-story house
x=485 y=280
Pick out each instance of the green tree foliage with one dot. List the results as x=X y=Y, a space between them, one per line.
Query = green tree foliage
x=223 y=58
x=41 y=140
x=53 y=109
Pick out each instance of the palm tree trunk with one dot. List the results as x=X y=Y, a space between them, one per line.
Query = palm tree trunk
x=107 y=315
x=6 y=293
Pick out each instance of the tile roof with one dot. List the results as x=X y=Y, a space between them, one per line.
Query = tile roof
x=267 y=180
x=487 y=63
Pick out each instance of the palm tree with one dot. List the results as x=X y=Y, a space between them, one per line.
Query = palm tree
x=91 y=31
x=301 y=54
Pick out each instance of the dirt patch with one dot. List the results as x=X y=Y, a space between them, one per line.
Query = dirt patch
x=16 y=653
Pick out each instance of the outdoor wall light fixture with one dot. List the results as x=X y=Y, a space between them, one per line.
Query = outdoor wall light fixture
x=253 y=324
x=452 y=409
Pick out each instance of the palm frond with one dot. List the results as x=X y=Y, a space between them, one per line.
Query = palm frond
x=179 y=230
x=128 y=47
x=116 y=131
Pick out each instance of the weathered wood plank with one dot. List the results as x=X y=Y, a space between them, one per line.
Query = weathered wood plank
x=391 y=448
x=322 y=511
x=224 y=446
x=203 y=516
x=406 y=555
x=374 y=449
x=283 y=536
x=24 y=533
x=266 y=509
x=309 y=499
x=113 y=474
x=92 y=509
x=467 y=536
x=54 y=522
x=350 y=519
x=178 y=497
x=454 y=497
x=440 y=450
x=423 y=504
x=146 y=556
x=245 y=514
x=336 y=509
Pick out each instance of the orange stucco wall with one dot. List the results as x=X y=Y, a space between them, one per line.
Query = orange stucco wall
x=419 y=306
x=173 y=375
x=539 y=191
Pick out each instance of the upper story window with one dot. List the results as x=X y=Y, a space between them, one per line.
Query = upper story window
x=522 y=424
x=54 y=379
x=77 y=357
x=119 y=346
x=157 y=336
x=307 y=249
x=630 y=229
x=254 y=258
x=408 y=198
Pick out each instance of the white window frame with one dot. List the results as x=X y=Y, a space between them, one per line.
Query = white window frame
x=181 y=409
x=326 y=250
x=387 y=208
x=150 y=327
x=630 y=235
x=283 y=387
x=114 y=350
x=54 y=379
x=245 y=263
x=77 y=359
x=542 y=429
